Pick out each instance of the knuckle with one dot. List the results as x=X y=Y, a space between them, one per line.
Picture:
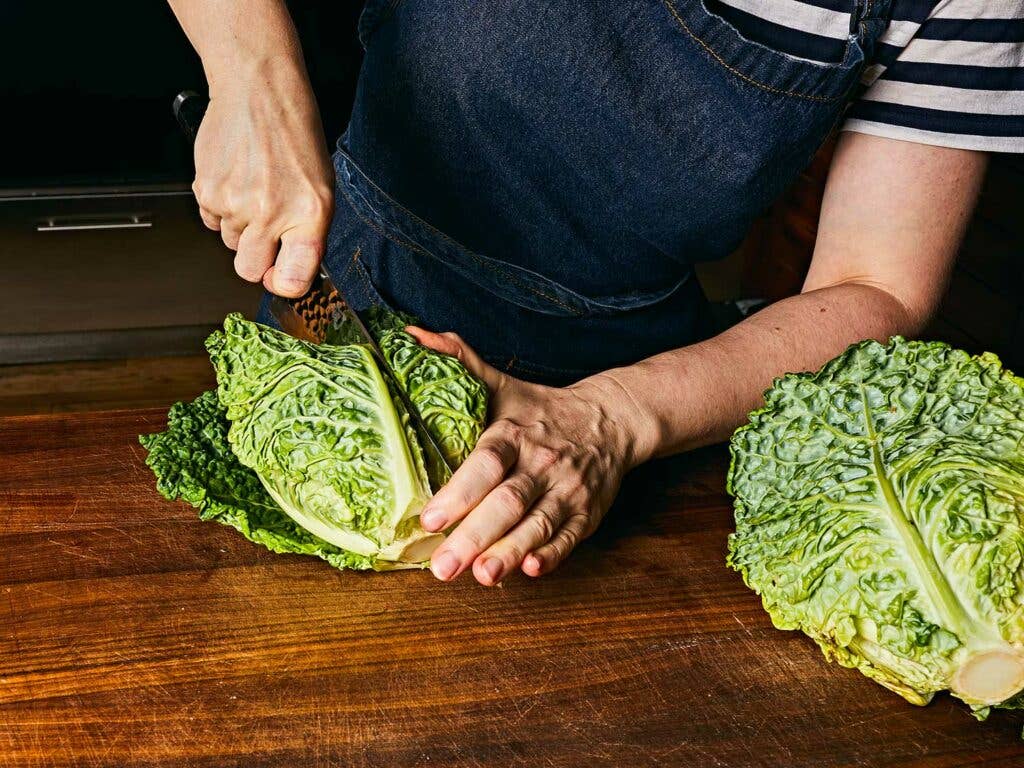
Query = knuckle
x=545 y=522
x=324 y=207
x=313 y=206
x=247 y=270
x=235 y=200
x=305 y=251
x=560 y=547
x=545 y=457
x=262 y=221
x=512 y=555
x=510 y=497
x=564 y=550
x=492 y=464
x=579 y=493
x=508 y=429
x=582 y=525
x=203 y=196
x=266 y=206
x=473 y=542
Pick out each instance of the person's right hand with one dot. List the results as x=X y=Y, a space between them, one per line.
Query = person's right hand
x=264 y=178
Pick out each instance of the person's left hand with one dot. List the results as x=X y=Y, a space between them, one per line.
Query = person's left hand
x=541 y=477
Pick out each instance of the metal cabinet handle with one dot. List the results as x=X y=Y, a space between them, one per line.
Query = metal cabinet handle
x=128 y=222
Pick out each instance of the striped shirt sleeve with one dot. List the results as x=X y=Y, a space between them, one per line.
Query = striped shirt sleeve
x=954 y=78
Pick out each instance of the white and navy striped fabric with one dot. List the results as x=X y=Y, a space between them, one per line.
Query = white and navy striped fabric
x=945 y=72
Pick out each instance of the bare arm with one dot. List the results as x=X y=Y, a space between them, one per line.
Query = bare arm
x=263 y=177
x=547 y=469
x=232 y=36
x=891 y=222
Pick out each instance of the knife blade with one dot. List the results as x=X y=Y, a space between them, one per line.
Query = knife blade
x=323 y=314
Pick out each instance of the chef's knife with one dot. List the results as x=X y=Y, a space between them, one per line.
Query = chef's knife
x=322 y=316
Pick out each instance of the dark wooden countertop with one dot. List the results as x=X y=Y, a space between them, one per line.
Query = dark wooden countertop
x=133 y=634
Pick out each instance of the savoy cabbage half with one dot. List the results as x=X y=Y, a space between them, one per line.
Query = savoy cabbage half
x=880 y=509
x=303 y=448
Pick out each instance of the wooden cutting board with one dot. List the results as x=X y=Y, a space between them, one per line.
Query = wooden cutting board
x=131 y=634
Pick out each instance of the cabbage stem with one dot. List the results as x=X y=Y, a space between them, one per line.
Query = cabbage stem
x=990 y=677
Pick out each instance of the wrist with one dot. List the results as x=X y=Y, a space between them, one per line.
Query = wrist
x=248 y=72
x=634 y=430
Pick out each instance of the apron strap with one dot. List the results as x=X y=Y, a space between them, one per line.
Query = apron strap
x=870 y=20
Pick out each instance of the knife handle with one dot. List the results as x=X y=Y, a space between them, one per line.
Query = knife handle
x=189 y=108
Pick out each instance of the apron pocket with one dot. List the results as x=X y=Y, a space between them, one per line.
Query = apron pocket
x=520 y=286
x=758 y=65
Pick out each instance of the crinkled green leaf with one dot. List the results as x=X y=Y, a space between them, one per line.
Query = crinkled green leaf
x=880 y=508
x=452 y=403
x=193 y=461
x=318 y=426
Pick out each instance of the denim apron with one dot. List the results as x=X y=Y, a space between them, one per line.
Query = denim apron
x=542 y=177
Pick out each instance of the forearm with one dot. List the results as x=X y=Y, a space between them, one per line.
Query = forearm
x=891 y=222
x=264 y=177
x=699 y=394
x=241 y=39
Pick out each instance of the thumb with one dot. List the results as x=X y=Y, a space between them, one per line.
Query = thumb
x=451 y=344
x=297 y=261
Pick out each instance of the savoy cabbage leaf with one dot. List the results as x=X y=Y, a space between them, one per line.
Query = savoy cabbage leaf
x=193 y=461
x=318 y=426
x=879 y=508
x=303 y=449
x=452 y=404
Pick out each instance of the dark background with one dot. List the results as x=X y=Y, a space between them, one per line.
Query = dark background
x=102 y=253
x=87 y=88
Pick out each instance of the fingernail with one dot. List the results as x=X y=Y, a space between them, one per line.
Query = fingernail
x=432 y=519
x=492 y=567
x=444 y=565
x=532 y=563
x=291 y=282
x=289 y=272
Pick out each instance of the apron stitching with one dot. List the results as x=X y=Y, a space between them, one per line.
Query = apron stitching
x=714 y=54
x=371 y=292
x=476 y=257
x=348 y=268
x=424 y=252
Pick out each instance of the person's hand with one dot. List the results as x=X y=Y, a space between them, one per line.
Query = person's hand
x=263 y=176
x=541 y=477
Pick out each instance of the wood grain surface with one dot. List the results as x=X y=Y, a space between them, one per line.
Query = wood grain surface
x=131 y=634
x=101 y=385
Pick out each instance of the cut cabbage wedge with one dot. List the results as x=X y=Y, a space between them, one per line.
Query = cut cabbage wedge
x=320 y=429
